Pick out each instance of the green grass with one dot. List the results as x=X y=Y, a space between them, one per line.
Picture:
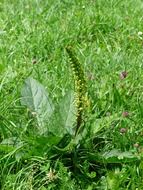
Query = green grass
x=105 y=35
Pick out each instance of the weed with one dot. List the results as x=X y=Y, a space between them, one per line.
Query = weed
x=50 y=137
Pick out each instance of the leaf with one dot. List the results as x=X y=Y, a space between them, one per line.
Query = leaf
x=116 y=156
x=7 y=76
x=19 y=155
x=113 y=156
x=42 y=145
x=103 y=122
x=64 y=116
x=6 y=148
x=9 y=144
x=68 y=112
x=2 y=32
x=35 y=97
x=91 y=175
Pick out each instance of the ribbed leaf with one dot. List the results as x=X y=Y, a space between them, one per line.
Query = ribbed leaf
x=68 y=112
x=35 y=97
x=64 y=116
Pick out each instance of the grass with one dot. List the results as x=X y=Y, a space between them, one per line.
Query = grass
x=107 y=39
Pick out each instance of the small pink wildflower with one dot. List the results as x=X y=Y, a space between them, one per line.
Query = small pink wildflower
x=125 y=114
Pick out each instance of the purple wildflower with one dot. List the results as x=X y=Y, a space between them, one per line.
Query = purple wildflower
x=125 y=114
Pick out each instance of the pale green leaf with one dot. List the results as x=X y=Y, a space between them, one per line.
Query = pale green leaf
x=117 y=156
x=36 y=98
x=68 y=112
x=64 y=116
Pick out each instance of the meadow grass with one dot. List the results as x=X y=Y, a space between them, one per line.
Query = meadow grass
x=107 y=36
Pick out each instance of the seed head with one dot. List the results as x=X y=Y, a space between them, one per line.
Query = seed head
x=34 y=61
x=136 y=145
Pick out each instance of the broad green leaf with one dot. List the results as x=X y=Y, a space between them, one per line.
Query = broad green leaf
x=6 y=148
x=9 y=144
x=19 y=155
x=103 y=122
x=13 y=141
x=41 y=145
x=63 y=118
x=68 y=112
x=6 y=75
x=91 y=175
x=116 y=156
x=2 y=32
x=35 y=97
